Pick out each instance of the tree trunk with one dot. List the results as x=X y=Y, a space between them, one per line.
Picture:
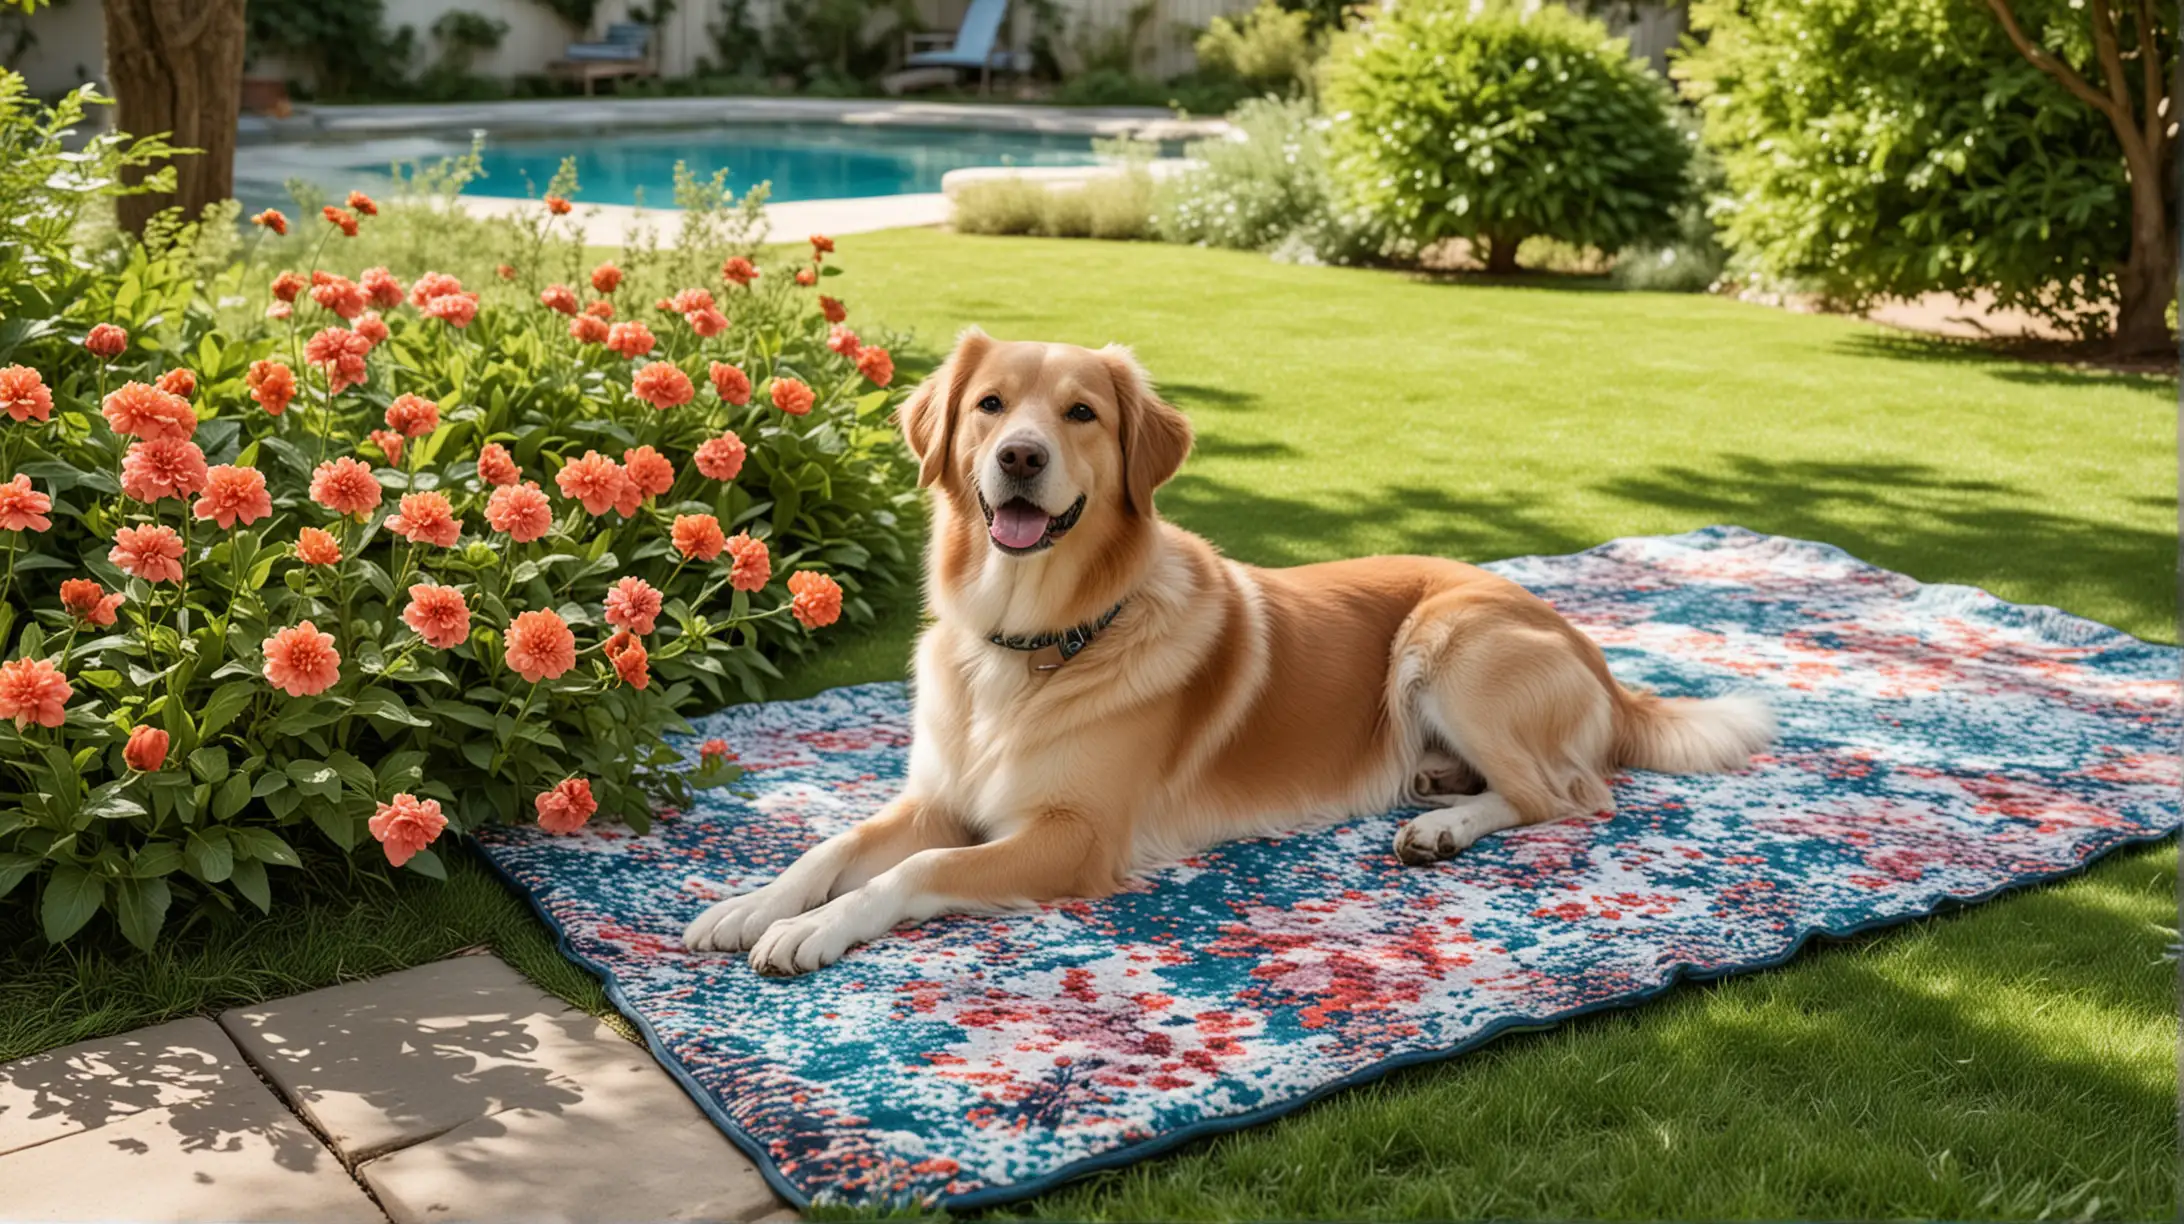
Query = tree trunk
x=178 y=68
x=2147 y=282
x=1501 y=253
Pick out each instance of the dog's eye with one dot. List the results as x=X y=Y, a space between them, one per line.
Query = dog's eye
x=1081 y=412
x=991 y=403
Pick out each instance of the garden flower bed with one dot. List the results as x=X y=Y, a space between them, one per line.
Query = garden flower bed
x=304 y=557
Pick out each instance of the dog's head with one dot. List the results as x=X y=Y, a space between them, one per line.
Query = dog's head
x=1046 y=441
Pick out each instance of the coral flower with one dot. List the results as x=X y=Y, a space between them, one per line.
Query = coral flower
x=753 y=564
x=649 y=470
x=316 y=546
x=821 y=245
x=272 y=384
x=606 y=278
x=287 y=285
x=874 y=363
x=388 y=442
x=345 y=486
x=136 y=410
x=372 y=328
x=341 y=353
x=33 y=691
x=496 y=466
x=698 y=536
x=805 y=276
x=278 y=311
x=633 y=604
x=591 y=329
x=557 y=206
x=180 y=381
x=707 y=323
x=738 y=271
x=566 y=807
x=559 y=298
x=413 y=416
x=595 y=480
x=234 y=493
x=540 y=646
x=659 y=384
x=24 y=395
x=438 y=614
x=341 y=219
x=151 y=553
x=520 y=510
x=722 y=457
x=89 y=602
x=301 y=661
x=712 y=752
x=380 y=284
x=23 y=508
x=363 y=204
x=691 y=299
x=406 y=825
x=163 y=467
x=106 y=341
x=631 y=339
x=341 y=295
x=731 y=384
x=426 y=518
x=817 y=599
x=599 y=308
x=631 y=664
x=432 y=285
x=792 y=396
x=506 y=272
x=834 y=311
x=842 y=340
x=272 y=219
x=146 y=750
x=454 y=309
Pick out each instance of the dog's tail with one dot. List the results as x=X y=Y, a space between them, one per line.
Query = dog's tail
x=1686 y=735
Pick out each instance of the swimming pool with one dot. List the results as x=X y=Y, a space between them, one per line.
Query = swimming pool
x=803 y=161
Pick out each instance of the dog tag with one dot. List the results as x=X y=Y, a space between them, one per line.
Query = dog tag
x=1045 y=660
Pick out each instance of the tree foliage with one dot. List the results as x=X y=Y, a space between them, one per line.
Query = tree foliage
x=1885 y=148
x=1490 y=120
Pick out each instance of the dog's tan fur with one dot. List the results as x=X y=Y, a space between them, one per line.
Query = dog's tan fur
x=1224 y=700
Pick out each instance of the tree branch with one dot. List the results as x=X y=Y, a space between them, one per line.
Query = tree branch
x=2039 y=58
x=2111 y=56
x=2149 y=49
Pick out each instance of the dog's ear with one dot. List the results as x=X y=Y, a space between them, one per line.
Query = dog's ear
x=929 y=415
x=1155 y=436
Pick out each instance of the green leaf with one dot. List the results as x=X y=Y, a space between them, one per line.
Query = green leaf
x=426 y=863
x=337 y=824
x=72 y=895
x=141 y=906
x=209 y=856
x=263 y=845
x=225 y=703
x=109 y=803
x=156 y=859
x=249 y=880
x=209 y=764
x=353 y=771
x=315 y=778
x=14 y=869
x=232 y=796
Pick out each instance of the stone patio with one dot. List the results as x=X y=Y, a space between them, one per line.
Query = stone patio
x=452 y=1092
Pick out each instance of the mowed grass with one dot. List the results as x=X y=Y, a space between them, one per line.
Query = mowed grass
x=2016 y=1059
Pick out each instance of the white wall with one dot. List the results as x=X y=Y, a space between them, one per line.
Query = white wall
x=70 y=50
x=536 y=34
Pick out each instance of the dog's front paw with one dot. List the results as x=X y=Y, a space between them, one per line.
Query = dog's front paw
x=736 y=924
x=1440 y=835
x=817 y=939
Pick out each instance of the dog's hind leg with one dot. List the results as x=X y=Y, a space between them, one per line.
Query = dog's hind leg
x=840 y=864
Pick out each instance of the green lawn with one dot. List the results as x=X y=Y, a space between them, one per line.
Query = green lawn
x=2014 y=1060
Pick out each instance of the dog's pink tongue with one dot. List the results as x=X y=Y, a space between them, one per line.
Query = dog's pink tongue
x=1019 y=524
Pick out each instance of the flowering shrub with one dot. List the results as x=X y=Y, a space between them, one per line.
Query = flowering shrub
x=337 y=556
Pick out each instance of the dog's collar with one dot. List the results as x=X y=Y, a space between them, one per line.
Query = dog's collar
x=1068 y=643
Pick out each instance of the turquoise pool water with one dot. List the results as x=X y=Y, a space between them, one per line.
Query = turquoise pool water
x=802 y=161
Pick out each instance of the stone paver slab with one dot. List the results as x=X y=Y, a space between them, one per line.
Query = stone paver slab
x=634 y=1148
x=181 y=1065
x=232 y=1153
x=384 y=1063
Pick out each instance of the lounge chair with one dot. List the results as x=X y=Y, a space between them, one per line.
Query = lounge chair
x=626 y=52
x=971 y=46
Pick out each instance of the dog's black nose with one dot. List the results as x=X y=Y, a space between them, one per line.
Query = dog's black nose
x=1023 y=460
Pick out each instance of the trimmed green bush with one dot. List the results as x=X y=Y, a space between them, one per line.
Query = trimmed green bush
x=1117 y=207
x=1268 y=48
x=1266 y=187
x=1487 y=121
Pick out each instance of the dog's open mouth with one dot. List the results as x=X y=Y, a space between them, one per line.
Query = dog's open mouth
x=1018 y=526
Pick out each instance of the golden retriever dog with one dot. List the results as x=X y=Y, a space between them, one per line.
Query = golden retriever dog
x=1101 y=691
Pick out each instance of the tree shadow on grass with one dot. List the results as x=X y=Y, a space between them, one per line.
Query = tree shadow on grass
x=1918 y=519
x=1262 y=527
x=2046 y=364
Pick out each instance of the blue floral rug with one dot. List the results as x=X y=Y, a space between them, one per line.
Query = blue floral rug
x=1938 y=746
